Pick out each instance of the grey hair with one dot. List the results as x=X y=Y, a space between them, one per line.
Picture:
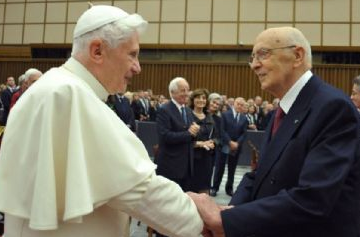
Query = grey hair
x=174 y=84
x=30 y=72
x=21 y=79
x=357 y=82
x=215 y=96
x=113 y=33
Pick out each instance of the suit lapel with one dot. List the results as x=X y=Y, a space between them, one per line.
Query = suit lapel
x=273 y=147
x=175 y=110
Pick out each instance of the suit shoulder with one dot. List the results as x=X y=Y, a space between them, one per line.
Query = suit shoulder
x=167 y=106
x=226 y=113
x=329 y=94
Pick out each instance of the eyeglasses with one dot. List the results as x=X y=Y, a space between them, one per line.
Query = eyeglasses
x=264 y=53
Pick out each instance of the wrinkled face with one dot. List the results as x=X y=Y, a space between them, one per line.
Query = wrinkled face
x=355 y=96
x=272 y=63
x=240 y=105
x=120 y=65
x=181 y=95
x=200 y=101
x=214 y=105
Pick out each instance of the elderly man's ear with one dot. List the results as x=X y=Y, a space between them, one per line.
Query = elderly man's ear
x=299 y=53
x=96 y=51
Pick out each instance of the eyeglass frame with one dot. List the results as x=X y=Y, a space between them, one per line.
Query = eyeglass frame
x=266 y=54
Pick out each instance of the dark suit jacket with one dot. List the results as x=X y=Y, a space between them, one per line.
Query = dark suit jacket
x=265 y=120
x=137 y=109
x=233 y=130
x=175 y=157
x=308 y=178
x=6 y=101
x=124 y=111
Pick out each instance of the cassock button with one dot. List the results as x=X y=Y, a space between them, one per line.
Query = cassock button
x=272 y=180
x=296 y=121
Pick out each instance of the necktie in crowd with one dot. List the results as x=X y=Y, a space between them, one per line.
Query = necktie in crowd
x=183 y=114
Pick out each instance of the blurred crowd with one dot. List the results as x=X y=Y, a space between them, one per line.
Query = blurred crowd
x=143 y=105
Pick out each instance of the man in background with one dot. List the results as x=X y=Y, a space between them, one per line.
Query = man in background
x=6 y=95
x=25 y=81
x=233 y=132
x=121 y=105
x=176 y=132
x=79 y=165
x=355 y=93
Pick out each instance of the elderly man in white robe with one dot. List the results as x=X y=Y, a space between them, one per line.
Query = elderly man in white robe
x=78 y=165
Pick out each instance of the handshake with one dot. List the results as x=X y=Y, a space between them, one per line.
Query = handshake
x=210 y=214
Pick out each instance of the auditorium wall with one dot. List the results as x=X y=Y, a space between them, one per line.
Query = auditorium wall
x=189 y=22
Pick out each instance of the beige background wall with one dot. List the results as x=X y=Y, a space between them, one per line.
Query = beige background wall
x=189 y=22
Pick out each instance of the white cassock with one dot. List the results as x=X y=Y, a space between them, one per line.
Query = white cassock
x=68 y=166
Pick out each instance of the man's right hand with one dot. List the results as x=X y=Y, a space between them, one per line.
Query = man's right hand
x=194 y=129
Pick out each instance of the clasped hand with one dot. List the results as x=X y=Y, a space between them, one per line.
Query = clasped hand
x=194 y=129
x=210 y=214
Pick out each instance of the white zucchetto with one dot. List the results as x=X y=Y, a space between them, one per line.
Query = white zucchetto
x=96 y=17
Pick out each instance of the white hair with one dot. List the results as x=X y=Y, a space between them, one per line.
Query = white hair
x=357 y=82
x=21 y=79
x=174 y=84
x=31 y=72
x=113 y=33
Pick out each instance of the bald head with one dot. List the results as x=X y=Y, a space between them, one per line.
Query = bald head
x=287 y=36
x=280 y=57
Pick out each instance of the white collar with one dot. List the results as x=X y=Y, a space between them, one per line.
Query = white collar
x=289 y=98
x=179 y=106
x=234 y=112
x=80 y=70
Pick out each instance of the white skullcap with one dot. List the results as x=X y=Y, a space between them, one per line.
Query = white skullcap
x=96 y=17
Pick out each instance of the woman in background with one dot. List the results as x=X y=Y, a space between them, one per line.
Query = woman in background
x=252 y=117
x=204 y=144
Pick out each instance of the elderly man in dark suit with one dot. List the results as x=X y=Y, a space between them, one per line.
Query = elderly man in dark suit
x=233 y=125
x=308 y=179
x=176 y=132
